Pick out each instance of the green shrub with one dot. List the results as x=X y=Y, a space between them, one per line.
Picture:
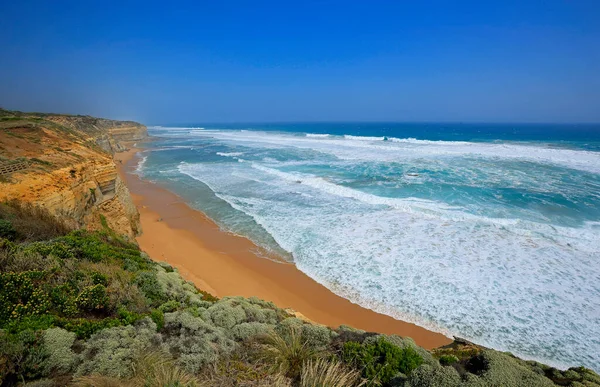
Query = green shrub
x=22 y=355
x=158 y=317
x=447 y=360
x=170 y=306
x=99 y=247
x=131 y=265
x=53 y=248
x=33 y=322
x=90 y=246
x=11 y=350
x=99 y=279
x=7 y=230
x=346 y=334
x=381 y=361
x=128 y=317
x=148 y=283
x=92 y=298
x=85 y=328
x=584 y=375
x=63 y=300
x=20 y=296
x=460 y=351
x=34 y=363
x=407 y=342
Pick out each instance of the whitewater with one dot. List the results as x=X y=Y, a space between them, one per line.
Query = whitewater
x=492 y=240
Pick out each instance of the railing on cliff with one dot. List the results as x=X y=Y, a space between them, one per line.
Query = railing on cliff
x=6 y=168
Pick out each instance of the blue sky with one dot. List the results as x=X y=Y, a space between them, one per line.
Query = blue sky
x=196 y=61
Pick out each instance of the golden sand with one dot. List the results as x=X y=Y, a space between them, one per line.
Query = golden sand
x=224 y=264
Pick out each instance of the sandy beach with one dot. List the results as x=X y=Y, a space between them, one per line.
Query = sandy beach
x=225 y=264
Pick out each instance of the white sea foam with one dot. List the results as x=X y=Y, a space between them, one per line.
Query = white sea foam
x=140 y=166
x=230 y=154
x=363 y=138
x=176 y=128
x=529 y=287
x=338 y=190
x=584 y=238
x=173 y=147
x=411 y=140
x=316 y=135
x=375 y=149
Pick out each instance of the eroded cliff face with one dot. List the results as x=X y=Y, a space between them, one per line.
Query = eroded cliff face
x=110 y=135
x=69 y=167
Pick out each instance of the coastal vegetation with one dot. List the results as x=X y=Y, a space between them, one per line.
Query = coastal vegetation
x=90 y=309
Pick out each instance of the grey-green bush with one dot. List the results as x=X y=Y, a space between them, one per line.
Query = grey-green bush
x=225 y=314
x=193 y=341
x=317 y=336
x=247 y=330
x=428 y=376
x=58 y=343
x=176 y=288
x=504 y=370
x=231 y=311
x=112 y=351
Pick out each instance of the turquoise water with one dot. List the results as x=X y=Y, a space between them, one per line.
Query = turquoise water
x=487 y=232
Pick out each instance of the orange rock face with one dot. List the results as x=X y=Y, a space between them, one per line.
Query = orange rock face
x=71 y=169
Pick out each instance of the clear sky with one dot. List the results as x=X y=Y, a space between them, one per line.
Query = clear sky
x=213 y=61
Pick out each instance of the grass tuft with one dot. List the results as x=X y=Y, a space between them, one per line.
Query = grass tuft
x=287 y=352
x=329 y=373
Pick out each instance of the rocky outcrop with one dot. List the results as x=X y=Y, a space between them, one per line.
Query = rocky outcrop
x=71 y=171
x=112 y=136
x=95 y=195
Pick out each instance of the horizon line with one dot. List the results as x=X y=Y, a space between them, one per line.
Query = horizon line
x=253 y=122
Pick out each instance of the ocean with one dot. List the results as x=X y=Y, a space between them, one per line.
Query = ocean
x=486 y=232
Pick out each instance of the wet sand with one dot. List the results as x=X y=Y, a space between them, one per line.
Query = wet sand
x=224 y=264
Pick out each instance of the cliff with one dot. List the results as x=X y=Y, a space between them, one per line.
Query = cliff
x=64 y=163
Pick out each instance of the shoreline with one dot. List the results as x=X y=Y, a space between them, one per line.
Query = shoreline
x=224 y=264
